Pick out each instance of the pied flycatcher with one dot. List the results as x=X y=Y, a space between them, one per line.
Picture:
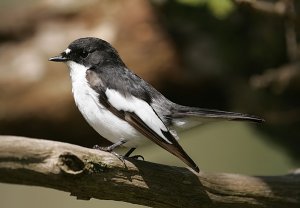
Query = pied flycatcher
x=124 y=108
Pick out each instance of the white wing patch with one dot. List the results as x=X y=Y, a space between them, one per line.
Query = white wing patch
x=141 y=108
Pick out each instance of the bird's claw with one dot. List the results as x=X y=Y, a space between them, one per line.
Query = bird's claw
x=97 y=147
x=137 y=157
x=120 y=157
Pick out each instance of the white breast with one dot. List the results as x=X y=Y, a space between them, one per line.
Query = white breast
x=103 y=121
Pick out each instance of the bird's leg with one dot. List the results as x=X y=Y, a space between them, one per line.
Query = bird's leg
x=115 y=145
x=135 y=156
x=129 y=152
x=111 y=147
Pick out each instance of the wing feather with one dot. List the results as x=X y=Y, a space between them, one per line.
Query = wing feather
x=139 y=114
x=173 y=148
x=143 y=118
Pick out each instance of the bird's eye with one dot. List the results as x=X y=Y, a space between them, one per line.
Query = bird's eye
x=84 y=54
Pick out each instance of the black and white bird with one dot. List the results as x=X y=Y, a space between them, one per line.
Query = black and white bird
x=124 y=108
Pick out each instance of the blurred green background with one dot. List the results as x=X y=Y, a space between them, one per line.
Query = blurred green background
x=219 y=54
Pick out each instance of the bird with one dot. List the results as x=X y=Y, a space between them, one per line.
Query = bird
x=125 y=109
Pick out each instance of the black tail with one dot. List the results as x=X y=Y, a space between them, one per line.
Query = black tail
x=184 y=111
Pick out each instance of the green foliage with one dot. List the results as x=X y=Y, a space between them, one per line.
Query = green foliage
x=219 y=8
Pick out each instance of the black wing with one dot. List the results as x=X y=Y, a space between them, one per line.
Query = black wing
x=146 y=121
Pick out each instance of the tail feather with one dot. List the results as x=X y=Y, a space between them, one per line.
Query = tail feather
x=187 y=117
x=208 y=113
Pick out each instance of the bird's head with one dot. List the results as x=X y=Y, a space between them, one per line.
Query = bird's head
x=89 y=52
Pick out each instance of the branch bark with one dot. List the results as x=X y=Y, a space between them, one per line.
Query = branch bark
x=88 y=173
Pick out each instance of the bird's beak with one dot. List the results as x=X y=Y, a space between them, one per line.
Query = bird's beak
x=60 y=58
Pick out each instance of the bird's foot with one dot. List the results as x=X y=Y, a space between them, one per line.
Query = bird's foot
x=120 y=157
x=111 y=147
x=108 y=149
x=134 y=156
x=105 y=149
x=137 y=157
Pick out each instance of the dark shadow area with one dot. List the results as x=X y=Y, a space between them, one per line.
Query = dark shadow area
x=187 y=190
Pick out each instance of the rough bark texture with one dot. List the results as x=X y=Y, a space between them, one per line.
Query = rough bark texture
x=88 y=173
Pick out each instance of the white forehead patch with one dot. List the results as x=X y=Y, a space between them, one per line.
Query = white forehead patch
x=68 y=50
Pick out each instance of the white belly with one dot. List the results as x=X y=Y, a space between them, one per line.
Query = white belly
x=102 y=120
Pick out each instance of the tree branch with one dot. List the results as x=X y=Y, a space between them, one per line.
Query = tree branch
x=88 y=173
x=277 y=8
x=277 y=78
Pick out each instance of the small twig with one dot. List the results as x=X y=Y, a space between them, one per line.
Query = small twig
x=277 y=78
x=290 y=32
x=277 y=8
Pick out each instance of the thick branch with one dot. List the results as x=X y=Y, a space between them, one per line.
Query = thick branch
x=88 y=173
